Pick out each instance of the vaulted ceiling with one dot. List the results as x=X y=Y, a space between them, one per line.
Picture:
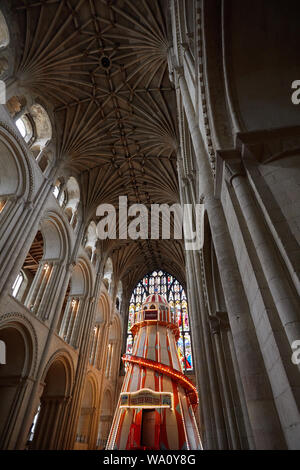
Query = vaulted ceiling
x=101 y=65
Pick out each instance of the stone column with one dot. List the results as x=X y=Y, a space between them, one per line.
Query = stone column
x=284 y=298
x=27 y=419
x=16 y=246
x=262 y=412
x=35 y=285
x=214 y=390
x=84 y=350
x=241 y=393
x=73 y=315
x=274 y=304
x=212 y=424
x=225 y=385
x=45 y=279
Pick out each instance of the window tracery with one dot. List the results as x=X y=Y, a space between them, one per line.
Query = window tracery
x=164 y=283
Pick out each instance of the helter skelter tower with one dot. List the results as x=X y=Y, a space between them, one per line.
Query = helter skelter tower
x=157 y=402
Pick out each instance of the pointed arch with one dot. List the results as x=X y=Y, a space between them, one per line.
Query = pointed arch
x=166 y=284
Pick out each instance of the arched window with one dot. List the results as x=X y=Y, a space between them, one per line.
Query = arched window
x=119 y=295
x=25 y=127
x=34 y=423
x=108 y=275
x=35 y=127
x=4 y=33
x=73 y=199
x=60 y=193
x=17 y=284
x=56 y=191
x=24 y=281
x=96 y=336
x=167 y=285
x=90 y=240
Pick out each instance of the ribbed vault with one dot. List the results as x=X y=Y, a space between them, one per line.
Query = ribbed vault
x=102 y=66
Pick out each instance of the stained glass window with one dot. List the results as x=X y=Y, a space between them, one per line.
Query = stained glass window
x=167 y=285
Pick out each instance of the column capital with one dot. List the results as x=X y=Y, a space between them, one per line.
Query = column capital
x=214 y=323
x=231 y=164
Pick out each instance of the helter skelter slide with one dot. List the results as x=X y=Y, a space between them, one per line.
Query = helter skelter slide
x=156 y=406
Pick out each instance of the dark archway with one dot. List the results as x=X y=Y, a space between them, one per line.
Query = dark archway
x=13 y=375
x=53 y=406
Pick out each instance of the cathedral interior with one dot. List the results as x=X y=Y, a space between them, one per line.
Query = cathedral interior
x=190 y=103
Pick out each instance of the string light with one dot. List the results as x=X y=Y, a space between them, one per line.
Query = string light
x=176 y=375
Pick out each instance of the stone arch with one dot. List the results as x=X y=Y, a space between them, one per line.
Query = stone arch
x=78 y=280
x=86 y=422
x=43 y=127
x=113 y=352
x=34 y=125
x=106 y=416
x=4 y=32
x=71 y=323
x=104 y=308
x=49 y=247
x=21 y=349
x=16 y=175
x=98 y=343
x=57 y=382
x=56 y=236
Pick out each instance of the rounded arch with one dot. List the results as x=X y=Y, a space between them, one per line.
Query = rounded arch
x=85 y=427
x=73 y=311
x=99 y=332
x=20 y=351
x=78 y=280
x=33 y=124
x=63 y=357
x=16 y=174
x=57 y=381
x=114 y=348
x=43 y=127
x=106 y=415
x=163 y=283
x=103 y=311
x=18 y=320
x=81 y=278
x=56 y=236
x=115 y=329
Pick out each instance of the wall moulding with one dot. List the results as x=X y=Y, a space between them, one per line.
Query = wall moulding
x=269 y=145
